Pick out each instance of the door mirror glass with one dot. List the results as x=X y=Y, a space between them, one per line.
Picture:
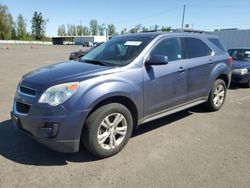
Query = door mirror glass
x=157 y=60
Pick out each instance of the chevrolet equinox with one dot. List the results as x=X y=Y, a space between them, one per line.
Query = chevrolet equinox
x=123 y=83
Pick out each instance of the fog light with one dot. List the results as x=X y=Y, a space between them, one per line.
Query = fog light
x=49 y=130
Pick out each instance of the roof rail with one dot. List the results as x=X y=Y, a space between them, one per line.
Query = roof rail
x=150 y=31
x=177 y=30
x=189 y=30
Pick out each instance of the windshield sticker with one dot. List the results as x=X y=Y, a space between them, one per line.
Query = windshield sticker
x=133 y=43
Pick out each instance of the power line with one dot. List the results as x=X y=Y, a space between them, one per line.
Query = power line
x=149 y=16
x=220 y=6
x=231 y=25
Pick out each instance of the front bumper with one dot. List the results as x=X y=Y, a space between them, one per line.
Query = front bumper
x=237 y=78
x=59 y=130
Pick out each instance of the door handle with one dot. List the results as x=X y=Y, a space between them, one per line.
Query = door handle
x=210 y=61
x=181 y=69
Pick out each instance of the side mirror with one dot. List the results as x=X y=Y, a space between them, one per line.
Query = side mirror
x=157 y=60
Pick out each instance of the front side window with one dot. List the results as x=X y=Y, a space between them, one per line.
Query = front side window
x=196 y=48
x=168 y=47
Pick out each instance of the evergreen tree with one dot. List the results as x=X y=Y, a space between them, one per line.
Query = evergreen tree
x=93 y=25
x=38 y=26
x=21 y=28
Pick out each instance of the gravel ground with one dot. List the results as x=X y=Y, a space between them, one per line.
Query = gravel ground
x=191 y=148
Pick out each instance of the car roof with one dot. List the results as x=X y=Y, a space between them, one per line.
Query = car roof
x=240 y=48
x=156 y=34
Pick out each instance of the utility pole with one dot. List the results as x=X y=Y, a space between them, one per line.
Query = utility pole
x=183 y=17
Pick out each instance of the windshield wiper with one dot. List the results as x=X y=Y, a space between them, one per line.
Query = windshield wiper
x=96 y=62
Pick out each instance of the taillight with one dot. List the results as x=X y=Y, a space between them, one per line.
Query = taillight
x=230 y=60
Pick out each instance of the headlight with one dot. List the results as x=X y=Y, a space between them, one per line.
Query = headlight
x=244 y=71
x=58 y=94
x=240 y=71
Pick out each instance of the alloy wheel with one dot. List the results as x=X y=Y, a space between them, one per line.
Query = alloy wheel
x=112 y=131
x=219 y=95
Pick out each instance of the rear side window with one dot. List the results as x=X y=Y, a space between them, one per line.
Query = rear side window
x=168 y=47
x=195 y=48
x=217 y=43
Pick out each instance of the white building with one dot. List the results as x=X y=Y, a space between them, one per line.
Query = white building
x=81 y=40
x=77 y=40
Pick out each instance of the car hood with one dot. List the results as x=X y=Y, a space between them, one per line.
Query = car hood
x=240 y=64
x=69 y=71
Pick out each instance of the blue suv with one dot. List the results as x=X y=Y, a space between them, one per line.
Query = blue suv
x=123 y=83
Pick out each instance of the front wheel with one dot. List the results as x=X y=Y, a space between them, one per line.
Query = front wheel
x=107 y=130
x=217 y=96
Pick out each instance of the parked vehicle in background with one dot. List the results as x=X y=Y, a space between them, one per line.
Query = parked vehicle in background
x=95 y=44
x=88 y=44
x=125 y=82
x=78 y=54
x=241 y=65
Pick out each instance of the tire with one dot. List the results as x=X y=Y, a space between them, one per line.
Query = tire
x=219 y=90
x=100 y=127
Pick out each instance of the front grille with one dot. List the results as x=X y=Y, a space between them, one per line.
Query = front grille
x=22 y=107
x=28 y=91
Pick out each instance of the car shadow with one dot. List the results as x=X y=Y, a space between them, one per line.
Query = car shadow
x=165 y=121
x=234 y=86
x=19 y=148
x=199 y=109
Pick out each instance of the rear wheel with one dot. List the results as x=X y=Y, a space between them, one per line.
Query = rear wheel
x=217 y=96
x=107 y=130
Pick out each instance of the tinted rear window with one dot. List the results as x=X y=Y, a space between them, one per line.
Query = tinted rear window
x=195 y=48
x=217 y=43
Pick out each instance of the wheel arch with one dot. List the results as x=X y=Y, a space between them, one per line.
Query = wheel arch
x=225 y=78
x=127 y=102
x=220 y=71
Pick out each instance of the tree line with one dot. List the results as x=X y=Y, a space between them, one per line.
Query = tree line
x=80 y=30
x=17 y=30
x=96 y=29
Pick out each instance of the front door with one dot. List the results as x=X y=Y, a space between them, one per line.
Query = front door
x=165 y=86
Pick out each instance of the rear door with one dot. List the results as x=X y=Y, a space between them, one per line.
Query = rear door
x=199 y=65
x=165 y=85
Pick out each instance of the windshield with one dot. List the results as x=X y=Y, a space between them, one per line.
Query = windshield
x=240 y=54
x=118 y=51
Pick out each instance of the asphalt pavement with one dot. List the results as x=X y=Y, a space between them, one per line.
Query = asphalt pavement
x=192 y=148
